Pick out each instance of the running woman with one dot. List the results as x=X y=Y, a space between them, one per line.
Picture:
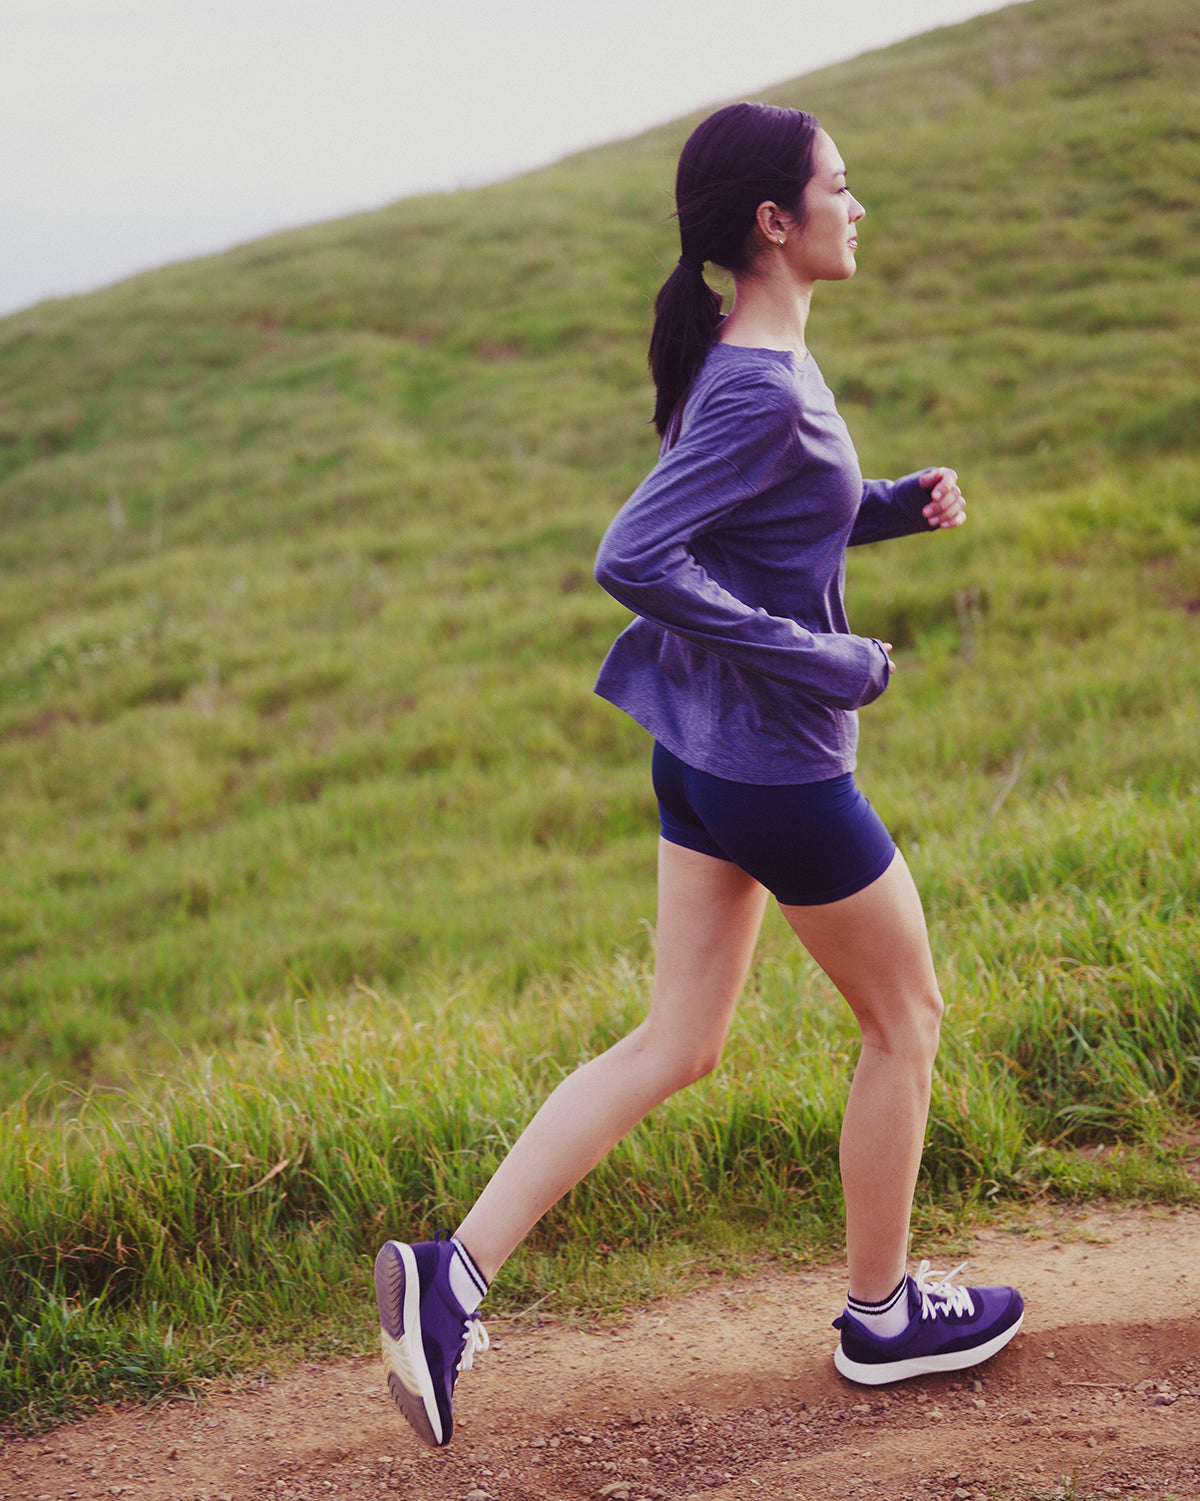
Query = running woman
x=741 y=664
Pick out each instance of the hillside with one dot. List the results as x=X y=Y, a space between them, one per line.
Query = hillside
x=319 y=861
x=297 y=630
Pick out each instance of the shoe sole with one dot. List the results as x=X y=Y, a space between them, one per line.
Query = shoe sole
x=921 y=1365
x=398 y=1294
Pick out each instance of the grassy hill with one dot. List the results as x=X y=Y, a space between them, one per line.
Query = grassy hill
x=298 y=753
x=298 y=630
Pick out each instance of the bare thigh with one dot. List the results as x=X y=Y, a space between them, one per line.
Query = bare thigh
x=874 y=946
x=709 y=915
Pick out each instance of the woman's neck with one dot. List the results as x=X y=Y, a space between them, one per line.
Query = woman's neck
x=768 y=313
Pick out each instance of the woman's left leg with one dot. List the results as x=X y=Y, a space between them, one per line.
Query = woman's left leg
x=709 y=914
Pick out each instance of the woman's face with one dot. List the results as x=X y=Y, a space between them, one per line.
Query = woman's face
x=822 y=246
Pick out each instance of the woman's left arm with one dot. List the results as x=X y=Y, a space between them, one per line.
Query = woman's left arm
x=946 y=506
x=928 y=500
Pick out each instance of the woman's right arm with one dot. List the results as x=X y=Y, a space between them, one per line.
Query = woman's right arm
x=646 y=559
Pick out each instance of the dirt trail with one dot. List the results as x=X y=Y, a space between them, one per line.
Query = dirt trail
x=727 y=1394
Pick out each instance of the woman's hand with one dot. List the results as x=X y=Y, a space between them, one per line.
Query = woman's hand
x=946 y=505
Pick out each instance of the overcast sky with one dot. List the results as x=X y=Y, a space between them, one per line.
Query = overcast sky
x=137 y=132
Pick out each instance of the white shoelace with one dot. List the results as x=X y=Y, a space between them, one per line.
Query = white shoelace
x=931 y=1285
x=476 y=1341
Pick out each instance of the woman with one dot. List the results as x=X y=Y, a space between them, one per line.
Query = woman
x=742 y=666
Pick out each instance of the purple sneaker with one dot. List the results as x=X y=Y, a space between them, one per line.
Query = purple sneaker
x=949 y=1328
x=426 y=1337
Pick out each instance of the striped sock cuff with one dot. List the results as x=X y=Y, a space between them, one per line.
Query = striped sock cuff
x=855 y=1306
x=467 y=1282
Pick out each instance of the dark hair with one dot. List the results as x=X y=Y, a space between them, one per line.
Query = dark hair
x=738 y=158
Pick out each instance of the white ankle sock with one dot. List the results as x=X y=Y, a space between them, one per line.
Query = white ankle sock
x=467 y=1282
x=887 y=1319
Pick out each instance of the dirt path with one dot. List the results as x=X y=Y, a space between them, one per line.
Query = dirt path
x=727 y=1394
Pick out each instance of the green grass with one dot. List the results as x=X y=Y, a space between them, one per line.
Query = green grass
x=319 y=861
x=220 y=1188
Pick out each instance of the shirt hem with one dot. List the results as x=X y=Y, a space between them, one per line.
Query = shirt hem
x=786 y=774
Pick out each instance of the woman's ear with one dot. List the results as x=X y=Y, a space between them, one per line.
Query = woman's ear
x=770 y=222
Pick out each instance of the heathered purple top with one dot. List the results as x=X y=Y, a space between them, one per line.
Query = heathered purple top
x=732 y=554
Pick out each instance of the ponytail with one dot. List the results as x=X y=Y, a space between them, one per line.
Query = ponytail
x=743 y=155
x=686 y=314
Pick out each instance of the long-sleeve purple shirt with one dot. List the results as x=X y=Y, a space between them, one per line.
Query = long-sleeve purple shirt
x=732 y=554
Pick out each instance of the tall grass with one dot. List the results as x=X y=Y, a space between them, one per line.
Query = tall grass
x=162 y=1231
x=319 y=862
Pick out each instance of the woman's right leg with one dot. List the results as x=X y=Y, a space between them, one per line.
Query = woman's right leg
x=874 y=947
x=709 y=914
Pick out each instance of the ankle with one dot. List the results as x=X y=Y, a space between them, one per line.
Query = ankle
x=885 y=1318
x=467 y=1282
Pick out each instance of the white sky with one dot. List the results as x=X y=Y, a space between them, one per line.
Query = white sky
x=137 y=132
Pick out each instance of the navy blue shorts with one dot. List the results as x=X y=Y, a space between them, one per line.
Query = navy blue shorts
x=808 y=844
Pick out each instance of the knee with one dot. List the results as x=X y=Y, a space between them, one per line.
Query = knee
x=675 y=1064
x=697 y=1066
x=912 y=1029
x=929 y=1021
